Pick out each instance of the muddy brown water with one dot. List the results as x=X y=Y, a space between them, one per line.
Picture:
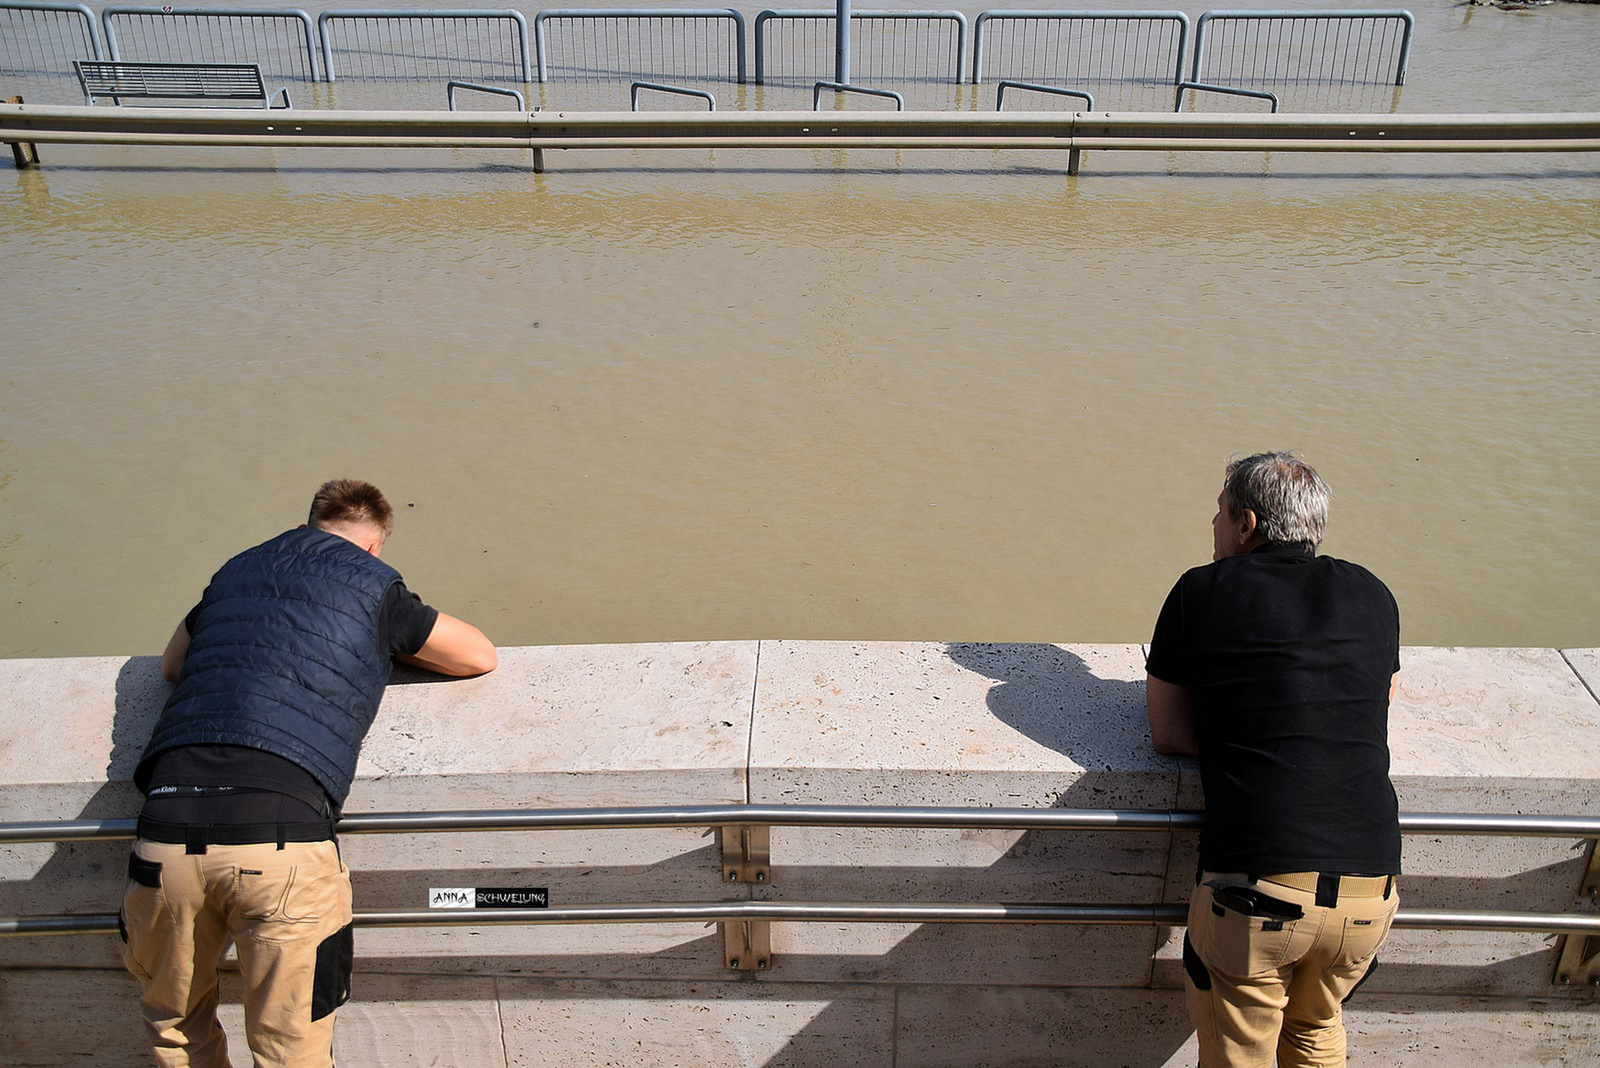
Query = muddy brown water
x=818 y=394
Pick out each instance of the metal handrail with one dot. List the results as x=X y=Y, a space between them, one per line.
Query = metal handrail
x=1000 y=97
x=1227 y=90
x=841 y=87
x=842 y=912
x=860 y=816
x=739 y=815
x=452 y=85
x=701 y=94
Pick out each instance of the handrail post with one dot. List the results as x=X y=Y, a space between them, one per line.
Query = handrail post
x=1578 y=955
x=746 y=854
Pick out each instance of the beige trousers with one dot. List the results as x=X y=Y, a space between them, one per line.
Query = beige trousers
x=288 y=913
x=1274 y=988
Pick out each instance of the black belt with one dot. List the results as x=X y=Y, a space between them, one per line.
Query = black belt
x=195 y=837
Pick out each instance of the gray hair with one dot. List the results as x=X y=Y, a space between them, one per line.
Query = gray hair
x=1290 y=499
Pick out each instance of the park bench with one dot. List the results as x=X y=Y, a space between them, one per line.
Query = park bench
x=175 y=81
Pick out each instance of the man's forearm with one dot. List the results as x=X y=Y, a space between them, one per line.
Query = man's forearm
x=1173 y=727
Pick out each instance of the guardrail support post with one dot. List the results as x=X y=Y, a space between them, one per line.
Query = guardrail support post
x=1578 y=956
x=747 y=854
x=26 y=155
x=747 y=945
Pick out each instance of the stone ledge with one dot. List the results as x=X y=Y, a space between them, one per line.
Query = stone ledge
x=961 y=724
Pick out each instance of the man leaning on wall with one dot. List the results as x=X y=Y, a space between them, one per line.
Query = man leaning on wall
x=279 y=672
x=1275 y=667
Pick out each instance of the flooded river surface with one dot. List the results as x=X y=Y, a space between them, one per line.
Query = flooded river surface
x=813 y=394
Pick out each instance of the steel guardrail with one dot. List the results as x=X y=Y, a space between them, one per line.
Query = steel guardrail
x=859 y=816
x=842 y=912
x=854 y=816
x=1135 y=131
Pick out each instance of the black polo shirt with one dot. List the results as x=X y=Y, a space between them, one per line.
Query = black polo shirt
x=1289 y=658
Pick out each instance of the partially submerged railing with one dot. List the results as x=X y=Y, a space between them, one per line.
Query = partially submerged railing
x=1303 y=46
x=885 y=45
x=1078 y=48
x=282 y=42
x=44 y=39
x=625 y=43
x=476 y=44
x=745 y=832
x=1120 y=56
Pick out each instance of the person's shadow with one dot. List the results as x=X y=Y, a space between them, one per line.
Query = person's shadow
x=1016 y=995
x=77 y=878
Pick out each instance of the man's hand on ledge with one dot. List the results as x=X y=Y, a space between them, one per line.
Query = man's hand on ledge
x=455 y=648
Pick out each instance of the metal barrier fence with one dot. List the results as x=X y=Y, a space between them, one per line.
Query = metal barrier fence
x=745 y=832
x=1318 y=47
x=799 y=46
x=1123 y=57
x=478 y=45
x=43 y=40
x=1076 y=48
x=627 y=44
x=281 y=42
x=1129 y=60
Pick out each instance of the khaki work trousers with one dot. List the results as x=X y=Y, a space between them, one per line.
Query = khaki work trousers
x=1262 y=988
x=288 y=913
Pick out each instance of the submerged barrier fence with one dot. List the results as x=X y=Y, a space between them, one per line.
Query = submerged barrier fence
x=1110 y=53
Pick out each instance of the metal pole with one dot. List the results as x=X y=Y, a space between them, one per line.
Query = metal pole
x=739 y=815
x=841 y=56
x=1172 y=915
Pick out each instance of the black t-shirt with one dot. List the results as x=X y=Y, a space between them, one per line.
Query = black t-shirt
x=264 y=779
x=1289 y=657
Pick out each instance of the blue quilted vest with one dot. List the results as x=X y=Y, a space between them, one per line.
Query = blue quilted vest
x=285 y=658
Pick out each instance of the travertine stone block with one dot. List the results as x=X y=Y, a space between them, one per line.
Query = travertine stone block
x=1023 y=1027
x=412 y=1021
x=1586 y=664
x=1424 y=1032
x=1489 y=730
x=71 y=1016
x=690 y=1025
x=556 y=727
x=958 y=725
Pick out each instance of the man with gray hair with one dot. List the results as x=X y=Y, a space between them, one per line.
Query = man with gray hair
x=1275 y=667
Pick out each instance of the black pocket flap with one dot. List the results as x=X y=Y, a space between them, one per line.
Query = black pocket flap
x=144 y=872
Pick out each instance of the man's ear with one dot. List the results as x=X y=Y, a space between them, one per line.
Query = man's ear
x=1247 y=526
x=1247 y=523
